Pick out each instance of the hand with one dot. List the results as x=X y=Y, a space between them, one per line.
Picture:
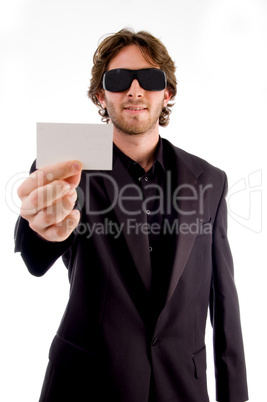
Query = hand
x=47 y=199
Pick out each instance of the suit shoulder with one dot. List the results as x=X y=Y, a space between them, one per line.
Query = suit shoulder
x=196 y=164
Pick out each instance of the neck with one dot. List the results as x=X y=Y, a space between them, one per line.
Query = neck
x=139 y=147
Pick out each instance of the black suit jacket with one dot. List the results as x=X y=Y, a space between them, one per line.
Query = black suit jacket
x=105 y=348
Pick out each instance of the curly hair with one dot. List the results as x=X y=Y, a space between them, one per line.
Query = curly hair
x=151 y=48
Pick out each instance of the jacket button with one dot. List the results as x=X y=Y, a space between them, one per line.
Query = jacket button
x=155 y=341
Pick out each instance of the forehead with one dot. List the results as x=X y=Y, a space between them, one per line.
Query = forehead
x=132 y=58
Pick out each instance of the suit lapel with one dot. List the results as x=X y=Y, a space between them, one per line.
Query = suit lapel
x=128 y=199
x=184 y=244
x=188 y=209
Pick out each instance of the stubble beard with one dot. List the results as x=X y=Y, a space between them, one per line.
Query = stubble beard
x=134 y=125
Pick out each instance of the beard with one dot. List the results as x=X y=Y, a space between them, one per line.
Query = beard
x=135 y=124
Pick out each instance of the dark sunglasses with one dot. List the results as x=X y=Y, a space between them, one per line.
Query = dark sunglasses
x=120 y=79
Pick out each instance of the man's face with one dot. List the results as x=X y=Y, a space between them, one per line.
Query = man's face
x=135 y=110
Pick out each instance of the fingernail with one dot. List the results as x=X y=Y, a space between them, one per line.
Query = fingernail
x=75 y=212
x=76 y=166
x=66 y=187
x=72 y=193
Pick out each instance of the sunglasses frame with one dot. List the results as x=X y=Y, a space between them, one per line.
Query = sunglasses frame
x=135 y=75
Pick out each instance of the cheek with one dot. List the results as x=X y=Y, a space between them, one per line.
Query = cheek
x=112 y=98
x=158 y=98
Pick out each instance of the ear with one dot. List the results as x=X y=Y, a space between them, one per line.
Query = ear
x=167 y=96
x=101 y=98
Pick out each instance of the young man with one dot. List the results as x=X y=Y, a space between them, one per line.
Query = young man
x=146 y=249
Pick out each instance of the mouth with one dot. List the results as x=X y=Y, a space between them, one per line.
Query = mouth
x=135 y=109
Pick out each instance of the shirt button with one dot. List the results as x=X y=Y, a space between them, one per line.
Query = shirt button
x=140 y=178
x=150 y=249
x=147 y=211
x=146 y=178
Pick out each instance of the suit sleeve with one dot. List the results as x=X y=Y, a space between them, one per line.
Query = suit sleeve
x=37 y=253
x=230 y=370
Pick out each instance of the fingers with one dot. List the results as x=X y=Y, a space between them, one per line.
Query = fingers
x=48 y=197
x=56 y=222
x=43 y=197
x=54 y=213
x=62 y=230
x=69 y=171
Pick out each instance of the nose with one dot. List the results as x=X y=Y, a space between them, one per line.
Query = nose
x=135 y=90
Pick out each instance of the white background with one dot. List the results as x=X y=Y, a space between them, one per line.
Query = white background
x=46 y=52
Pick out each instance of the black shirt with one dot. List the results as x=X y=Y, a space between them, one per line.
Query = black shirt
x=161 y=242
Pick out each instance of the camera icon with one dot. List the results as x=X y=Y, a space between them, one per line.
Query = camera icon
x=245 y=201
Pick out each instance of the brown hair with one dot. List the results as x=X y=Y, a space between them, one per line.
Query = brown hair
x=150 y=47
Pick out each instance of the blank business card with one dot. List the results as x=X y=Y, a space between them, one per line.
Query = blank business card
x=92 y=144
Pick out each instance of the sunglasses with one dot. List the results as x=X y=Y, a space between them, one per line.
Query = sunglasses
x=120 y=79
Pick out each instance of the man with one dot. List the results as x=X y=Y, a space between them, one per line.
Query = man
x=145 y=247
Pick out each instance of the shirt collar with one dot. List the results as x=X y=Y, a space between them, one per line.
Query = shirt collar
x=128 y=162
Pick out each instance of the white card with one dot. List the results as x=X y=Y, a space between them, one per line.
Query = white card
x=91 y=144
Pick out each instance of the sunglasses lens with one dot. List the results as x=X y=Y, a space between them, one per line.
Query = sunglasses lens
x=151 y=79
x=117 y=80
